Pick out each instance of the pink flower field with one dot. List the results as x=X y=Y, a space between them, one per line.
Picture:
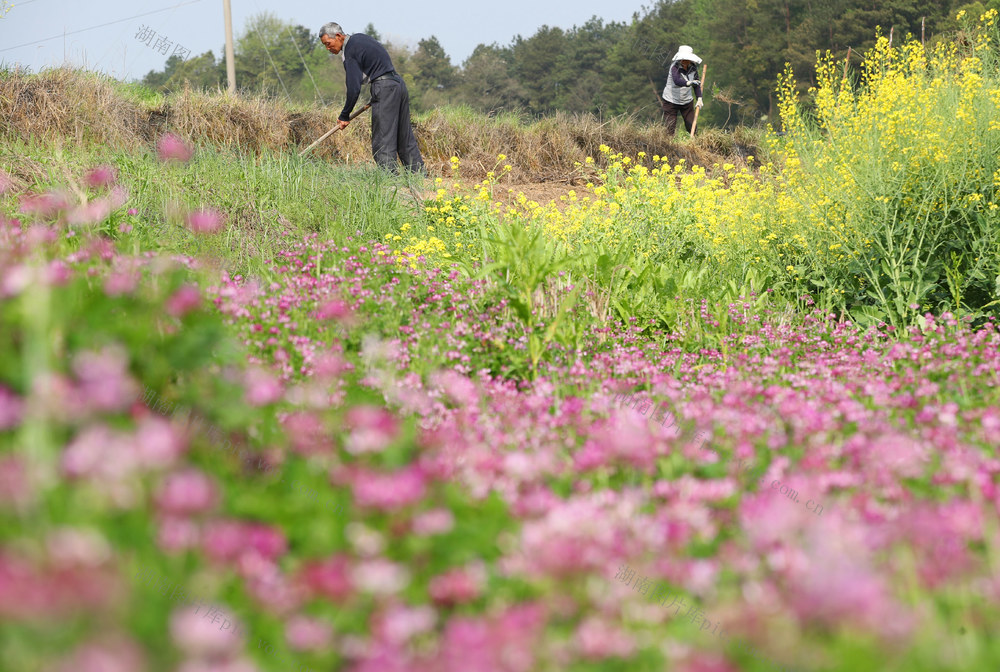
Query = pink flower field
x=344 y=465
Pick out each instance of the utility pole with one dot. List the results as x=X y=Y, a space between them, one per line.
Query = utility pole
x=230 y=59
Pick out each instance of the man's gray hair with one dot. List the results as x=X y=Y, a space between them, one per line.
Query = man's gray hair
x=331 y=29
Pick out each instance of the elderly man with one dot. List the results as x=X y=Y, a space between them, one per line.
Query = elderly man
x=367 y=60
x=677 y=94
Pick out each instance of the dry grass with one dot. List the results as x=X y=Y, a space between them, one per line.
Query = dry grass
x=67 y=105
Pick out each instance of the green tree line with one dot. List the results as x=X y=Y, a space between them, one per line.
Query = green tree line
x=600 y=68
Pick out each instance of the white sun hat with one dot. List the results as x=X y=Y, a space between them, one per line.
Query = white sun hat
x=685 y=53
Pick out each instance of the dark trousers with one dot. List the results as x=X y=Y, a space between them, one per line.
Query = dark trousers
x=670 y=112
x=392 y=133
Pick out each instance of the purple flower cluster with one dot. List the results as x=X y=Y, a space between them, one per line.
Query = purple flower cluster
x=261 y=389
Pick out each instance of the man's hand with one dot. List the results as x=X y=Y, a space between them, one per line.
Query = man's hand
x=699 y=104
x=341 y=124
x=694 y=82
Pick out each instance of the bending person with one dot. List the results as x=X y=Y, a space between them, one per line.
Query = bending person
x=682 y=94
x=367 y=60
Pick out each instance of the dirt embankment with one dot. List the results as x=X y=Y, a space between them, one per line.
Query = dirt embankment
x=68 y=105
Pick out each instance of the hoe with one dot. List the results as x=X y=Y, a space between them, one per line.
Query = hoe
x=334 y=129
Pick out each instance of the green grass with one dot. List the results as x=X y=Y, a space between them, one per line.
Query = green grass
x=263 y=197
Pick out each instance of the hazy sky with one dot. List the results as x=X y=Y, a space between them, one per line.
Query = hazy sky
x=197 y=25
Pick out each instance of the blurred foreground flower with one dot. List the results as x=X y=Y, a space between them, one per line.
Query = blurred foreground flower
x=389 y=491
x=307 y=433
x=338 y=310
x=198 y=636
x=329 y=578
x=597 y=639
x=205 y=221
x=173 y=148
x=103 y=379
x=228 y=540
x=458 y=586
x=99 y=209
x=45 y=205
x=14 y=487
x=307 y=634
x=399 y=623
x=115 y=655
x=261 y=387
x=187 y=492
x=101 y=176
x=435 y=521
x=183 y=301
x=11 y=408
x=372 y=430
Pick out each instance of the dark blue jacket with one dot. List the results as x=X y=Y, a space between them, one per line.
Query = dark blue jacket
x=362 y=56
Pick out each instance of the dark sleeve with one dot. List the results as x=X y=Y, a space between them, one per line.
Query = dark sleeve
x=353 y=71
x=697 y=90
x=675 y=74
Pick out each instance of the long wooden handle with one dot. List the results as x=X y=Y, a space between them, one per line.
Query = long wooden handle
x=333 y=130
x=694 y=125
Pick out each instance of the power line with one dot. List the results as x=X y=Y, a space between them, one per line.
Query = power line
x=124 y=74
x=305 y=65
x=109 y=23
x=266 y=51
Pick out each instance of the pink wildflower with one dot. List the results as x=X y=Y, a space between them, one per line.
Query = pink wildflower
x=267 y=541
x=372 y=430
x=98 y=453
x=121 y=282
x=173 y=148
x=11 y=409
x=335 y=310
x=115 y=654
x=389 y=491
x=457 y=586
x=77 y=547
x=158 y=443
x=599 y=640
x=199 y=636
x=15 y=279
x=223 y=540
x=228 y=664
x=459 y=389
x=101 y=176
x=707 y=662
x=436 y=521
x=45 y=205
x=329 y=365
x=177 y=534
x=308 y=634
x=270 y=587
x=187 y=492
x=328 y=578
x=229 y=540
x=307 y=433
x=103 y=379
x=399 y=623
x=381 y=577
x=14 y=486
x=183 y=301
x=57 y=273
x=205 y=221
x=261 y=387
